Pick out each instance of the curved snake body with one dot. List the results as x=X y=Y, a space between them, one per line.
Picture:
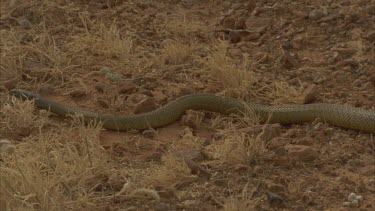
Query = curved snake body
x=339 y=115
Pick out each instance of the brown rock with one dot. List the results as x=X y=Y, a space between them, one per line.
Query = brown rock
x=11 y=84
x=317 y=14
x=186 y=91
x=193 y=154
x=289 y=61
x=310 y=94
x=347 y=62
x=77 y=93
x=192 y=118
x=103 y=102
x=372 y=80
x=126 y=88
x=197 y=168
x=371 y=36
x=100 y=87
x=301 y=153
x=145 y=105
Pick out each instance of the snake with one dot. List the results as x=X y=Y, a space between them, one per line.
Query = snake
x=344 y=116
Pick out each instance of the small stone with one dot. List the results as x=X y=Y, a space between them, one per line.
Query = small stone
x=302 y=153
x=155 y=156
x=149 y=133
x=346 y=204
x=25 y=23
x=77 y=93
x=274 y=198
x=186 y=91
x=46 y=90
x=348 y=62
x=371 y=36
x=192 y=118
x=310 y=94
x=229 y=23
x=193 y=154
x=355 y=203
x=235 y=53
x=318 y=79
x=289 y=61
x=372 y=80
x=100 y=87
x=103 y=103
x=11 y=84
x=317 y=14
x=126 y=88
x=359 y=198
x=145 y=105
x=351 y=197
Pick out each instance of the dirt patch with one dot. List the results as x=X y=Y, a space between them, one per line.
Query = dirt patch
x=130 y=57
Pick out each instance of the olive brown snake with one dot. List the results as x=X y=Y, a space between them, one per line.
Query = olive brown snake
x=338 y=115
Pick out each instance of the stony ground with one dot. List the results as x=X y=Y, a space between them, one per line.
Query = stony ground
x=124 y=57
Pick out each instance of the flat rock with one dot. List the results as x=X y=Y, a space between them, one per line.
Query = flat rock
x=301 y=153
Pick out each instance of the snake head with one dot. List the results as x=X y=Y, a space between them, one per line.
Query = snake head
x=23 y=94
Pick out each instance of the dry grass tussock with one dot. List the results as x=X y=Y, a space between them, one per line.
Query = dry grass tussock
x=241 y=201
x=55 y=169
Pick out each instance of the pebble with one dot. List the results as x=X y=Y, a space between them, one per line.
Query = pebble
x=126 y=88
x=310 y=94
x=100 y=87
x=317 y=14
x=371 y=36
x=25 y=23
x=11 y=84
x=145 y=105
x=301 y=153
x=77 y=93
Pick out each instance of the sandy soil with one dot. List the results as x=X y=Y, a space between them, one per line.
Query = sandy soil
x=124 y=57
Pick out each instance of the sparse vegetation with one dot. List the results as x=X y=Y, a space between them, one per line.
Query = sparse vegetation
x=159 y=50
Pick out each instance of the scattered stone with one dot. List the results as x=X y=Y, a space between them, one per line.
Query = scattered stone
x=348 y=62
x=274 y=198
x=310 y=94
x=127 y=87
x=46 y=90
x=318 y=79
x=235 y=53
x=155 y=156
x=345 y=52
x=317 y=14
x=197 y=168
x=371 y=36
x=289 y=60
x=149 y=133
x=301 y=153
x=25 y=23
x=77 y=93
x=192 y=118
x=193 y=154
x=186 y=91
x=145 y=105
x=372 y=80
x=103 y=103
x=11 y=84
x=100 y=87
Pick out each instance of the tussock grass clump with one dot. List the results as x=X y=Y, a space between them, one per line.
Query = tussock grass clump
x=57 y=169
x=237 y=79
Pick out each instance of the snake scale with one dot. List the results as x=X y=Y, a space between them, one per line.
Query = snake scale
x=339 y=115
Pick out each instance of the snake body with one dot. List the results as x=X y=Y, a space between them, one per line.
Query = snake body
x=339 y=115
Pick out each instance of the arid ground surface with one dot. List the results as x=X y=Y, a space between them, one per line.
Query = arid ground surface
x=123 y=57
